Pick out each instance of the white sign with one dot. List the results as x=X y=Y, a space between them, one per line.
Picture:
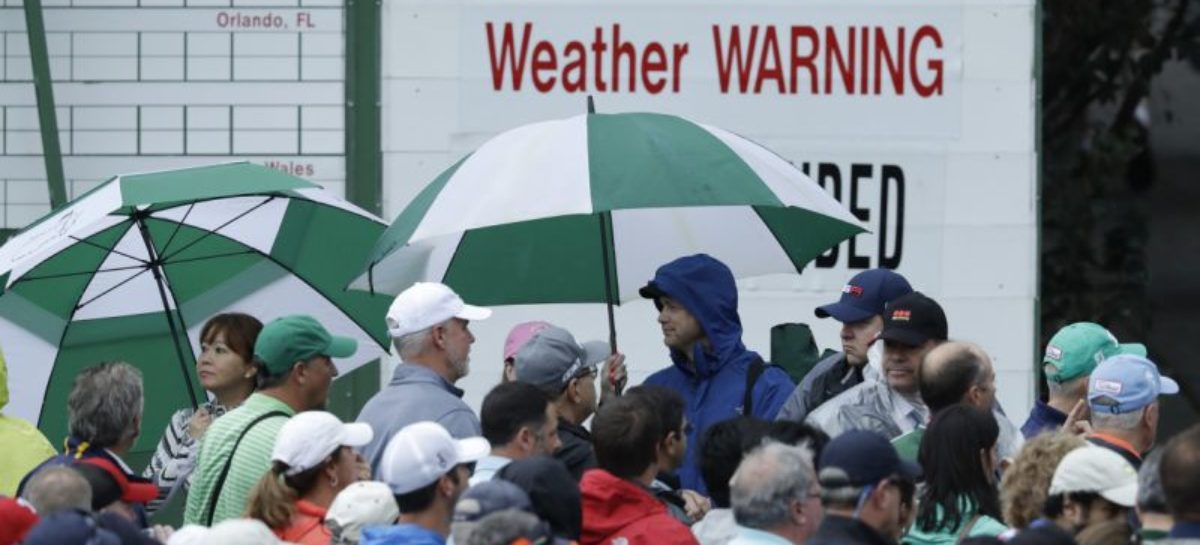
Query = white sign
x=919 y=117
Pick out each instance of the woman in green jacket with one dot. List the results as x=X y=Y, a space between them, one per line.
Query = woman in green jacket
x=960 y=498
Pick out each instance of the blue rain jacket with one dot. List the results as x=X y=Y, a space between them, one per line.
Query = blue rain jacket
x=714 y=388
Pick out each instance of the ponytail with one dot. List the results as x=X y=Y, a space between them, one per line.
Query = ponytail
x=273 y=499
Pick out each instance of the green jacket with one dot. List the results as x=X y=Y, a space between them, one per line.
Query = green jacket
x=984 y=526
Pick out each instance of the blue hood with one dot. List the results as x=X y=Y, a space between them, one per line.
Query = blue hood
x=705 y=287
x=402 y=534
x=714 y=389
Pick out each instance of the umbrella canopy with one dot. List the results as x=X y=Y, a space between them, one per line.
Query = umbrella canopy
x=541 y=213
x=133 y=269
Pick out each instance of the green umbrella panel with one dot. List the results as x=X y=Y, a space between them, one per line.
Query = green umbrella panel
x=137 y=284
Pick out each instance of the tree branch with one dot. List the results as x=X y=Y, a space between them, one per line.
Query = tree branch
x=1147 y=67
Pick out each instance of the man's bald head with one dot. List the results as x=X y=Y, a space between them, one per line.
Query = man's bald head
x=58 y=488
x=956 y=372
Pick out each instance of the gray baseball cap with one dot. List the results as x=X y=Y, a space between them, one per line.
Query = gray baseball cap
x=551 y=358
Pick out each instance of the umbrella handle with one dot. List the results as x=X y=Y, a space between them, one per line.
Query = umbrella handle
x=609 y=296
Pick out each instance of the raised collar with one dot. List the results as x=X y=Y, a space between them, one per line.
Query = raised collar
x=311 y=509
x=1117 y=442
x=409 y=371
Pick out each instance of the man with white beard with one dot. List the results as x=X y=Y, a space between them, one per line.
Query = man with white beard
x=428 y=324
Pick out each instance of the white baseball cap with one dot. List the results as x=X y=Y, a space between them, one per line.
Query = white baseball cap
x=1099 y=470
x=427 y=304
x=421 y=453
x=310 y=437
x=241 y=531
x=365 y=503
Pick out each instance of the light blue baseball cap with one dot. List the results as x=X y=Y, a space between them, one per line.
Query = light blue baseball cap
x=1125 y=383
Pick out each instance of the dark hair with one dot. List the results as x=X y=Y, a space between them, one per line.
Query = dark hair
x=241 y=330
x=508 y=408
x=945 y=384
x=626 y=433
x=265 y=380
x=1180 y=474
x=796 y=433
x=420 y=499
x=667 y=403
x=721 y=450
x=105 y=489
x=1053 y=508
x=552 y=490
x=954 y=470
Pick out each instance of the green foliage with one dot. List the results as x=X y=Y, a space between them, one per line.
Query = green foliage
x=1099 y=59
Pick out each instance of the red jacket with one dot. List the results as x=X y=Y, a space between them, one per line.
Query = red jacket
x=619 y=512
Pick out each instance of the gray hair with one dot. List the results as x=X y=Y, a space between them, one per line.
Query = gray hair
x=766 y=483
x=58 y=488
x=1117 y=421
x=1070 y=387
x=1150 y=495
x=105 y=405
x=503 y=527
x=411 y=344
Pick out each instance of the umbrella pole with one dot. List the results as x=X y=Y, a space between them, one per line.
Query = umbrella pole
x=609 y=298
x=605 y=220
x=156 y=268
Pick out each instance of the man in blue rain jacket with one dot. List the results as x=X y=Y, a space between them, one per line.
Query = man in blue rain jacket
x=712 y=369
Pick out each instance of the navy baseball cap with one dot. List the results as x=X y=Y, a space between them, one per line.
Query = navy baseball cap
x=865 y=295
x=1125 y=383
x=860 y=458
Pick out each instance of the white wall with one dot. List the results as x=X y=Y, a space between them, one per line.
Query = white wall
x=968 y=154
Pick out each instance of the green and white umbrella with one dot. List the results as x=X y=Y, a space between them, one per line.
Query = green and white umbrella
x=133 y=269
x=544 y=213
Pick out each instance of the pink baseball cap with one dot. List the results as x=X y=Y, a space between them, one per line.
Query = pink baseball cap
x=519 y=335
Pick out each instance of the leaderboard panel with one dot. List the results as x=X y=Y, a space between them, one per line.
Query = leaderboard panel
x=145 y=85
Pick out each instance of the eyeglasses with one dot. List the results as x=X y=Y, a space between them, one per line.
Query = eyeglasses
x=586 y=372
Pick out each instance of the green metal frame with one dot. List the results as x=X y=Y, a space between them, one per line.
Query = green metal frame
x=47 y=118
x=364 y=163
x=364 y=157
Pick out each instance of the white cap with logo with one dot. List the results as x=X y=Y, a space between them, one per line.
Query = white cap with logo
x=310 y=437
x=427 y=304
x=420 y=453
x=1099 y=470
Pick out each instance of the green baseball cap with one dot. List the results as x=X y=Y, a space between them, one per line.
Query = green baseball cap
x=1077 y=349
x=290 y=339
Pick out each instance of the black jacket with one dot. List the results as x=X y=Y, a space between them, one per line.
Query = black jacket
x=576 y=452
